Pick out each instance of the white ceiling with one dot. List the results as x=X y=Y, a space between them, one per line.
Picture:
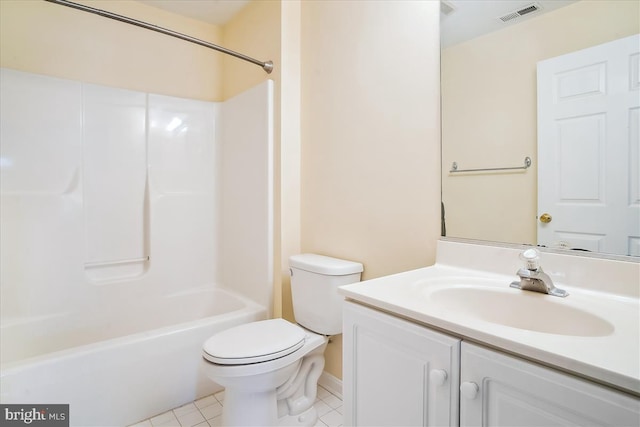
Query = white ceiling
x=217 y=12
x=469 y=19
x=472 y=18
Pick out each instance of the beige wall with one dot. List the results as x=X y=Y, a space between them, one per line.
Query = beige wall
x=46 y=38
x=253 y=31
x=489 y=114
x=290 y=147
x=370 y=135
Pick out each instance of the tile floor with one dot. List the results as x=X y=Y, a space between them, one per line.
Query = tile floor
x=207 y=412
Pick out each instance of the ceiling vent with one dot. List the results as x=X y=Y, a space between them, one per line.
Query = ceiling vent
x=533 y=7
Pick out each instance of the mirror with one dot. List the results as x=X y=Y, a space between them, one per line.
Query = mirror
x=490 y=115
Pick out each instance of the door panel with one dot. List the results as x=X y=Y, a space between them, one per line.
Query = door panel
x=513 y=392
x=588 y=148
x=394 y=372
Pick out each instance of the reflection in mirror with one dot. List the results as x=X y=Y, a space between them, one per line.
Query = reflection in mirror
x=491 y=118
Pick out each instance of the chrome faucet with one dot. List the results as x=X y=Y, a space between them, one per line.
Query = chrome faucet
x=532 y=278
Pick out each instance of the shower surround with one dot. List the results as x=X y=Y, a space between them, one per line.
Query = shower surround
x=132 y=226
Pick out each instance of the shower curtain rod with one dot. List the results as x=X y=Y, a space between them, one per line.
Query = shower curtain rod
x=266 y=66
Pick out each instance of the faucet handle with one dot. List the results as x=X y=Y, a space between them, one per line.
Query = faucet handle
x=531 y=258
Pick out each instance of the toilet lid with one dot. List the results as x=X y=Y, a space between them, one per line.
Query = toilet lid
x=254 y=342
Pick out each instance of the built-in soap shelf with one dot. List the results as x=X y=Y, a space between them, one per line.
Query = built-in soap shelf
x=114 y=270
x=115 y=262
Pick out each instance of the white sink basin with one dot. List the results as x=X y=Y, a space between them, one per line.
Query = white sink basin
x=594 y=332
x=519 y=309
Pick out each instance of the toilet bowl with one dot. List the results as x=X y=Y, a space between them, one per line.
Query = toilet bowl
x=270 y=369
x=274 y=386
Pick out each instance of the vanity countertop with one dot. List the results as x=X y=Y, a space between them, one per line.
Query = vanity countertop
x=608 y=352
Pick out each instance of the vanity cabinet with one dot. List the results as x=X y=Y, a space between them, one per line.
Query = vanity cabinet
x=397 y=372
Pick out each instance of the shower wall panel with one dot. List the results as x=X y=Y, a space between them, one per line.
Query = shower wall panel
x=247 y=195
x=110 y=198
x=114 y=176
x=184 y=187
x=41 y=201
x=103 y=204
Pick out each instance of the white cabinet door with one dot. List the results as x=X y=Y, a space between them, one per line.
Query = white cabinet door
x=397 y=373
x=499 y=390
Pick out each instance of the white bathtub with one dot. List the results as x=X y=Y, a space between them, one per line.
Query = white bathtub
x=116 y=372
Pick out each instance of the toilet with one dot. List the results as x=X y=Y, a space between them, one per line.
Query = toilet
x=270 y=368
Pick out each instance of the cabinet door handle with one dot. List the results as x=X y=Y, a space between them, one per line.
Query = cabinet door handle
x=438 y=376
x=469 y=390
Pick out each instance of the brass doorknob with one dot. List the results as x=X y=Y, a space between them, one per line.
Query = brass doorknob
x=546 y=218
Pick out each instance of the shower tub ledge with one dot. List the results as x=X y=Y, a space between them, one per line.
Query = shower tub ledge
x=119 y=381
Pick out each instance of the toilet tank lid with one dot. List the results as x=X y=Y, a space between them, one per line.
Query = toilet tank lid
x=324 y=265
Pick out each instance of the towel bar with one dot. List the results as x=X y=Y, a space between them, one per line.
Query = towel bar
x=527 y=164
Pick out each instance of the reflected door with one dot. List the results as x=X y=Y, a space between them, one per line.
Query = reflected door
x=588 y=149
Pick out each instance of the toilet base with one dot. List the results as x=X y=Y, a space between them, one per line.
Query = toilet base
x=249 y=409
x=263 y=408
x=306 y=418
x=296 y=397
x=254 y=404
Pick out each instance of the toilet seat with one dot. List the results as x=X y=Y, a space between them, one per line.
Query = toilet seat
x=254 y=342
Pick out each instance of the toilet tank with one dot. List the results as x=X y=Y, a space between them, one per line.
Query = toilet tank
x=315 y=279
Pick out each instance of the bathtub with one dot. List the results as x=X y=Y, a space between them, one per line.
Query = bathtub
x=117 y=370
